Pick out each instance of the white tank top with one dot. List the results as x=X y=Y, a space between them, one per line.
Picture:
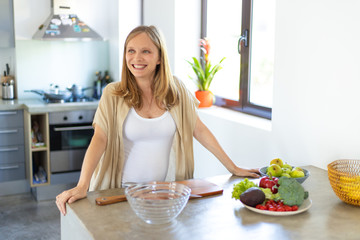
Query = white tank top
x=147 y=144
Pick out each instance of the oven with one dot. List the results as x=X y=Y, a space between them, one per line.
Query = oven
x=70 y=135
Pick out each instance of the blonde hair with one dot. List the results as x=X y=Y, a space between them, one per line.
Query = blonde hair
x=164 y=88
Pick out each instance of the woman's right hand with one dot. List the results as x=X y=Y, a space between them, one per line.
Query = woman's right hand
x=70 y=196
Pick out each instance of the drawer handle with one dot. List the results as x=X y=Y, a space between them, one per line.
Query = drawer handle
x=9 y=167
x=9 y=131
x=61 y=129
x=9 y=149
x=8 y=113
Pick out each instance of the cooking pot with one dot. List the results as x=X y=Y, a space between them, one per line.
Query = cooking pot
x=77 y=91
x=61 y=95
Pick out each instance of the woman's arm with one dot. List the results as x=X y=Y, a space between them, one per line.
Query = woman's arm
x=91 y=159
x=208 y=140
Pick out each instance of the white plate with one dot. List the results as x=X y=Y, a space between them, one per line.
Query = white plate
x=305 y=206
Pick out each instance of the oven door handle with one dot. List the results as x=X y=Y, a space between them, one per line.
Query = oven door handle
x=61 y=129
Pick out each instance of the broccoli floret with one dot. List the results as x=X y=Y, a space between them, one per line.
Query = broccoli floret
x=291 y=191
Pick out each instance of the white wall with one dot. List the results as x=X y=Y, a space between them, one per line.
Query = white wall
x=129 y=15
x=186 y=40
x=317 y=80
x=179 y=20
x=315 y=112
x=41 y=63
x=160 y=13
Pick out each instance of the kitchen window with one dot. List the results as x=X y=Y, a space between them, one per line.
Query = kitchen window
x=243 y=32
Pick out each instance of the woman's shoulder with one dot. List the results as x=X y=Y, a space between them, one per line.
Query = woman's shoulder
x=111 y=89
x=179 y=84
x=184 y=93
x=110 y=94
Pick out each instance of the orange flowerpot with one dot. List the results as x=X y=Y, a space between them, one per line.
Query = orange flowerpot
x=206 y=98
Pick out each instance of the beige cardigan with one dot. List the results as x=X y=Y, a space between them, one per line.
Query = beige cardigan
x=110 y=116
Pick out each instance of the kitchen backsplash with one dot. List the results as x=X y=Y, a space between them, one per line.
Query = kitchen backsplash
x=41 y=63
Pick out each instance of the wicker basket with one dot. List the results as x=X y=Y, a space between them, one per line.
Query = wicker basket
x=344 y=176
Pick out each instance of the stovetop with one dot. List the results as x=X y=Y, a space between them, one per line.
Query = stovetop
x=70 y=100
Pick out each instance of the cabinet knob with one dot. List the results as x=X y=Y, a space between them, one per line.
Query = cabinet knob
x=65 y=118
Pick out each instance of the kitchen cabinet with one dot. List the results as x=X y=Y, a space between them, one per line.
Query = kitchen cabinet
x=37 y=155
x=12 y=155
x=7 y=39
x=20 y=114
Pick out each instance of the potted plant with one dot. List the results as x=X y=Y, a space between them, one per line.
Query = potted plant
x=205 y=73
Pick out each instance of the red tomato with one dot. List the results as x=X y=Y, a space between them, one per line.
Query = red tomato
x=280 y=209
x=295 y=208
x=287 y=208
x=278 y=206
x=261 y=207
x=271 y=208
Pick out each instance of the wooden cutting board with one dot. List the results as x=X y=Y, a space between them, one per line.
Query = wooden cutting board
x=202 y=187
x=199 y=187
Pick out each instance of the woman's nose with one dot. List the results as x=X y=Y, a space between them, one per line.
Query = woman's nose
x=138 y=56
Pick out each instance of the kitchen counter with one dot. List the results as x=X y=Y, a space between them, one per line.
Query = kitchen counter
x=38 y=106
x=217 y=217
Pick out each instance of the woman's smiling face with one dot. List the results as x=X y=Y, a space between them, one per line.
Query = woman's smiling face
x=142 y=57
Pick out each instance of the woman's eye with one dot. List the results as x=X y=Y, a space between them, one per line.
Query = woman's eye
x=131 y=51
x=146 y=51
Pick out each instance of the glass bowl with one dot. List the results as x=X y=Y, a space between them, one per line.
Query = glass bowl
x=157 y=203
x=300 y=180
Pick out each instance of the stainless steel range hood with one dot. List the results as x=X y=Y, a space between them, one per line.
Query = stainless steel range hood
x=64 y=25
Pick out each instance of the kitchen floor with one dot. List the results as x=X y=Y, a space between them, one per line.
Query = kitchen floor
x=22 y=217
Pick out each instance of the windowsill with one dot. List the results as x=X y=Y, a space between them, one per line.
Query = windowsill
x=238 y=117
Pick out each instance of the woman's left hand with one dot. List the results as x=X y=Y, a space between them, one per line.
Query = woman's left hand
x=244 y=172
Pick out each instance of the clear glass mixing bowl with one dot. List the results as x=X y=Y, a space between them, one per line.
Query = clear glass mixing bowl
x=157 y=202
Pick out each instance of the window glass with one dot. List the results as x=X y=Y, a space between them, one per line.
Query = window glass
x=262 y=53
x=223 y=32
x=245 y=83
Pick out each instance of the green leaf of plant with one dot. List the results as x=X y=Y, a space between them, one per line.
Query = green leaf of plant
x=204 y=75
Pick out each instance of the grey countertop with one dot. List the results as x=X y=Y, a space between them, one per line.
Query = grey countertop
x=38 y=106
x=217 y=217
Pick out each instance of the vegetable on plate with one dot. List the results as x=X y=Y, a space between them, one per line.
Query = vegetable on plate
x=241 y=187
x=291 y=191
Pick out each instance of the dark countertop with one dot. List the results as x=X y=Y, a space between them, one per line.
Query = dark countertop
x=218 y=217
